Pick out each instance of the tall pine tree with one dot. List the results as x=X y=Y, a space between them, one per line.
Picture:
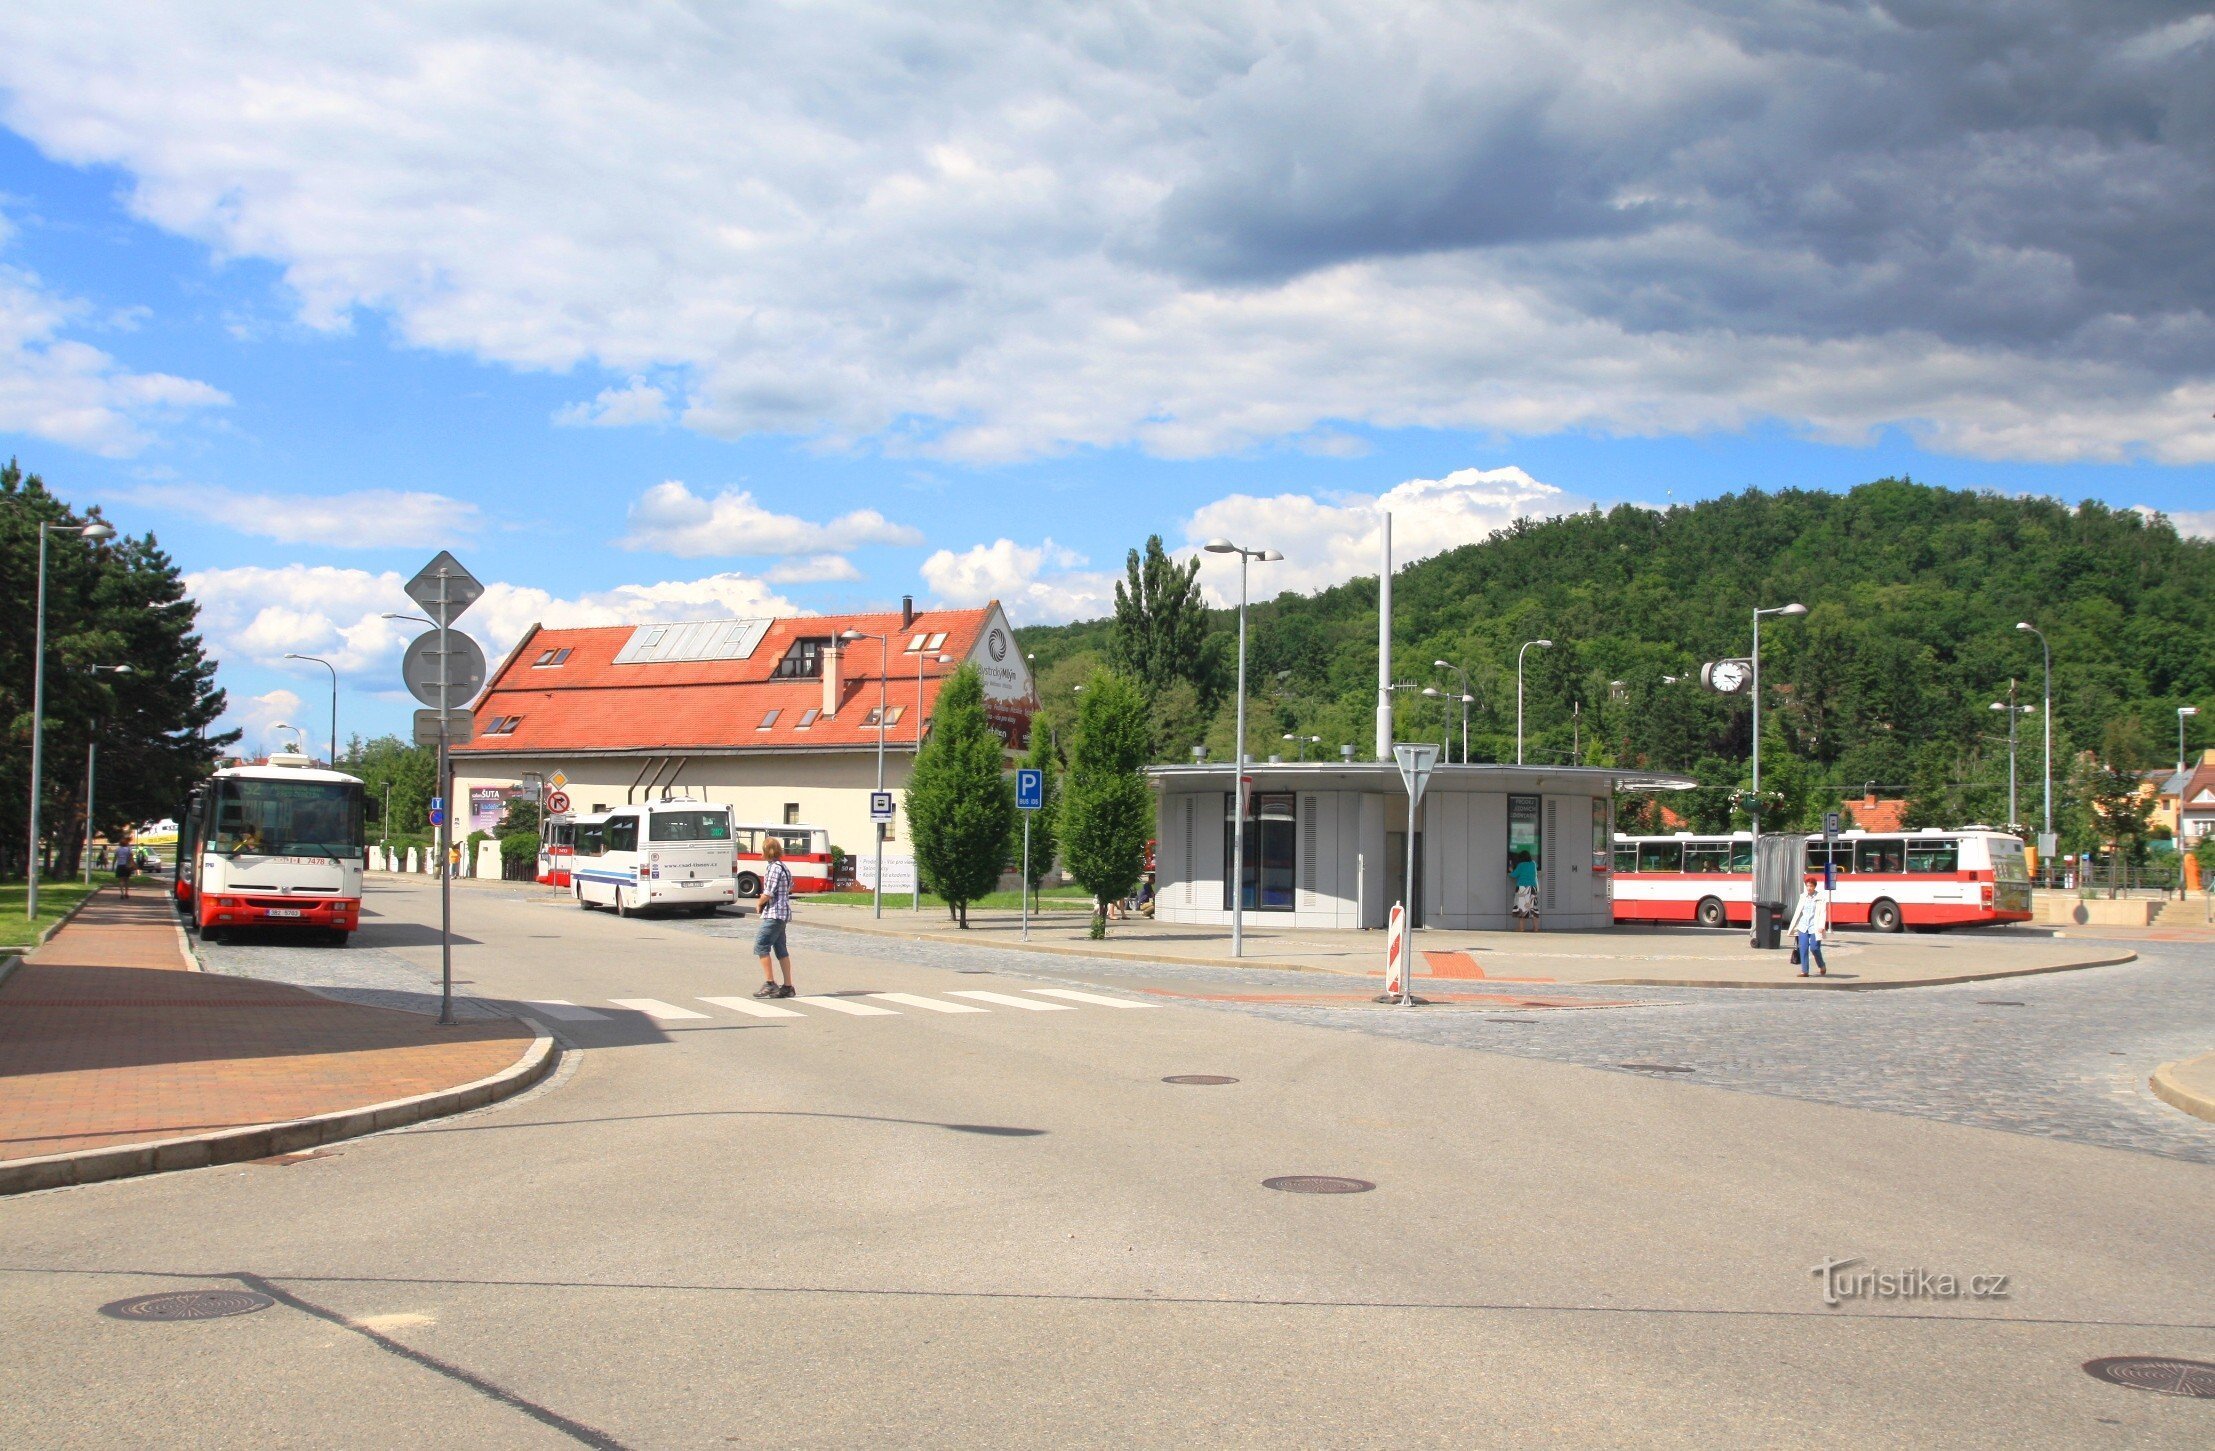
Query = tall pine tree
x=1160 y=623
x=1045 y=840
x=961 y=806
x=1107 y=813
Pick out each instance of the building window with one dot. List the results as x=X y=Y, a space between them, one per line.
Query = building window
x=1272 y=832
x=936 y=641
x=915 y=644
x=547 y=659
x=792 y=813
x=1525 y=840
x=804 y=661
x=769 y=720
x=892 y=717
x=807 y=718
x=871 y=718
x=503 y=725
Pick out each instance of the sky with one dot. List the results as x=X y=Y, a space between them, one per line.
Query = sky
x=681 y=311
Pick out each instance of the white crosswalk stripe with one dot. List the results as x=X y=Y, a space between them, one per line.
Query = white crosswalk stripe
x=565 y=1010
x=1008 y=1000
x=656 y=1009
x=846 y=1005
x=754 y=1007
x=1077 y=997
x=917 y=1000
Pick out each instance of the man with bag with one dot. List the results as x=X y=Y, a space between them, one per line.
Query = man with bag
x=1810 y=924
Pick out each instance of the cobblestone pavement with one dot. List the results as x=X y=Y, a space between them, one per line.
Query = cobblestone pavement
x=358 y=973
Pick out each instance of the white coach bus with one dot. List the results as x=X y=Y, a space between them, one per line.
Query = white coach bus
x=655 y=854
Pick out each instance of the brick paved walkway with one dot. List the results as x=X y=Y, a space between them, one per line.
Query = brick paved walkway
x=109 y=1036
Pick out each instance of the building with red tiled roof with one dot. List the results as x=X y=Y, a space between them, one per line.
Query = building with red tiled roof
x=778 y=717
x=1868 y=813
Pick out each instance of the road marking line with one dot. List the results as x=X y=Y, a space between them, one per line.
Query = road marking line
x=754 y=1006
x=1010 y=1001
x=848 y=1005
x=564 y=1009
x=1077 y=997
x=656 y=1009
x=917 y=1000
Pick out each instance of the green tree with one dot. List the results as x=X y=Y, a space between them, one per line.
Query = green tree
x=961 y=806
x=1107 y=812
x=2124 y=809
x=1044 y=838
x=408 y=772
x=1160 y=623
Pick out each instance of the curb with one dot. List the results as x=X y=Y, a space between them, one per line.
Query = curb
x=2173 y=1093
x=1817 y=984
x=46 y=934
x=121 y=1161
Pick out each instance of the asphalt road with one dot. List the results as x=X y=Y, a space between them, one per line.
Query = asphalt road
x=984 y=1223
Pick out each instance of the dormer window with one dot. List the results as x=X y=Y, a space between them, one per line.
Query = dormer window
x=503 y=725
x=548 y=659
x=804 y=661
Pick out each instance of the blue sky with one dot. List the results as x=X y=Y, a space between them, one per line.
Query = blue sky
x=677 y=317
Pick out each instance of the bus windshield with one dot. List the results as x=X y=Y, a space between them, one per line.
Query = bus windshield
x=255 y=817
x=690 y=826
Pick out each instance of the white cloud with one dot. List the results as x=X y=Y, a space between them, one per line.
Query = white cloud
x=57 y=388
x=1036 y=584
x=813 y=569
x=1329 y=541
x=258 y=716
x=2191 y=523
x=670 y=519
x=636 y=402
x=365 y=519
x=972 y=233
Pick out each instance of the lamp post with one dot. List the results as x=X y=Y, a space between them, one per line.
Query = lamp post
x=2046 y=650
x=92 y=748
x=885 y=643
x=1238 y=753
x=94 y=532
x=2182 y=712
x=2014 y=712
x=286 y=725
x=327 y=665
x=1301 y=743
x=1467 y=700
x=1790 y=611
x=915 y=898
x=1543 y=645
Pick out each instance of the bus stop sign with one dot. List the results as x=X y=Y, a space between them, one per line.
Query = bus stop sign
x=880 y=806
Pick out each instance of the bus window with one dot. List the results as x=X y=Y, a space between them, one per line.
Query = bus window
x=1742 y=856
x=1879 y=856
x=1934 y=856
x=690 y=826
x=1710 y=858
x=590 y=838
x=622 y=833
x=746 y=840
x=1660 y=856
x=795 y=843
x=1626 y=859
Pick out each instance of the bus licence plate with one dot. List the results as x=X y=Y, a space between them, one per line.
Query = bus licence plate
x=284 y=912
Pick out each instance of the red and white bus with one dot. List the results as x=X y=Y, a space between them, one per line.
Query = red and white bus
x=278 y=845
x=557 y=847
x=1886 y=880
x=807 y=855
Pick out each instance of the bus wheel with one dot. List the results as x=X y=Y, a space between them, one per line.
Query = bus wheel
x=749 y=885
x=582 y=904
x=623 y=906
x=338 y=937
x=213 y=936
x=1884 y=915
x=1710 y=913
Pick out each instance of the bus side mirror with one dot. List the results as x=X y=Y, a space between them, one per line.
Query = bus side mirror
x=372 y=810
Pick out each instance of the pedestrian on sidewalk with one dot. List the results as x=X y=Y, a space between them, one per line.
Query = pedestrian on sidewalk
x=776 y=912
x=1524 y=871
x=1810 y=924
x=126 y=862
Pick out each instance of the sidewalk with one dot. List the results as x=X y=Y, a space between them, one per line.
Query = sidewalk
x=1624 y=957
x=2188 y=1085
x=118 y=1057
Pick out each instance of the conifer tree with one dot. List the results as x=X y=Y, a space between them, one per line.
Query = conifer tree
x=1107 y=812
x=961 y=805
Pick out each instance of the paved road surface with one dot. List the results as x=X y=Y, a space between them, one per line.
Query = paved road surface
x=1001 y=1227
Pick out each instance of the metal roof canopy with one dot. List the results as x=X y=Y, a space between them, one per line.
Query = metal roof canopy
x=1385 y=776
x=693 y=640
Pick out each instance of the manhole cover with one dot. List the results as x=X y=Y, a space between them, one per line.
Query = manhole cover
x=1203 y=1078
x=1999 y=1003
x=188 y=1305
x=2161 y=1374
x=1317 y=1184
x=1654 y=1067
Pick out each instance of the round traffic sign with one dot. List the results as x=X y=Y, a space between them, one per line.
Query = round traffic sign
x=465 y=668
x=557 y=802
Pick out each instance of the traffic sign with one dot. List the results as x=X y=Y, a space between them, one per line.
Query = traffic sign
x=880 y=806
x=460 y=726
x=1030 y=789
x=444 y=589
x=557 y=802
x=438 y=811
x=1416 y=765
x=1830 y=823
x=465 y=667
x=558 y=780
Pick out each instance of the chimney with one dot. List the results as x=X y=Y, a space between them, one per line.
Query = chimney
x=830 y=676
x=907 y=611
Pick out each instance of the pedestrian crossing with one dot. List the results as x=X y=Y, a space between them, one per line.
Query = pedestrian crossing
x=846 y=1005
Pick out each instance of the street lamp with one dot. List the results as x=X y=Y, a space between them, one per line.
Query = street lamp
x=92 y=747
x=297 y=733
x=1543 y=645
x=2045 y=840
x=2182 y=712
x=1238 y=753
x=327 y=665
x=1791 y=611
x=1301 y=743
x=915 y=898
x=94 y=532
x=2013 y=712
x=1467 y=700
x=885 y=641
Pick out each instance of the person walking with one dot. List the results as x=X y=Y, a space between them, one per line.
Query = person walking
x=1525 y=875
x=776 y=914
x=1810 y=924
x=126 y=862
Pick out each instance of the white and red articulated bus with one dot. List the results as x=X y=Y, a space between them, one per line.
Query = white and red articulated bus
x=557 y=845
x=279 y=845
x=807 y=855
x=1890 y=881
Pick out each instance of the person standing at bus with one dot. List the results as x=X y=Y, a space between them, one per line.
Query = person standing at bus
x=1810 y=923
x=776 y=914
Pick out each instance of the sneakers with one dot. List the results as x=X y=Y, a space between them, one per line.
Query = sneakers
x=786 y=991
x=767 y=990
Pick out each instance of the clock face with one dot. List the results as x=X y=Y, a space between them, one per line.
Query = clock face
x=1728 y=676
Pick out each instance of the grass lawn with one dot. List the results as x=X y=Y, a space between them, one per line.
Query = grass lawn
x=1050 y=899
x=54 y=901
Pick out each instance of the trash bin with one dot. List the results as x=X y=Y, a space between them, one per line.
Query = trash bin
x=1768 y=925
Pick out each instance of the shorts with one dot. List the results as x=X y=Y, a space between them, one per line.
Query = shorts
x=769 y=938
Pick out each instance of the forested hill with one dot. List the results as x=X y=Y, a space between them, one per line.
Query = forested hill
x=1914 y=594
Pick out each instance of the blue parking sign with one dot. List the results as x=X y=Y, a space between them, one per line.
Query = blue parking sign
x=1030 y=789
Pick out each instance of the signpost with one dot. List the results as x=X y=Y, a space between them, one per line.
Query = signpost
x=557 y=802
x=1830 y=834
x=880 y=816
x=1030 y=796
x=435 y=669
x=1416 y=764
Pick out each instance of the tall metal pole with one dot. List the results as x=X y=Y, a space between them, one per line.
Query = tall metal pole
x=915 y=898
x=38 y=726
x=879 y=826
x=1026 y=882
x=1238 y=783
x=91 y=749
x=2012 y=716
x=445 y=818
x=1755 y=814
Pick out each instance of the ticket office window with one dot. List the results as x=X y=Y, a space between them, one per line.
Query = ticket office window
x=1272 y=834
x=1524 y=837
